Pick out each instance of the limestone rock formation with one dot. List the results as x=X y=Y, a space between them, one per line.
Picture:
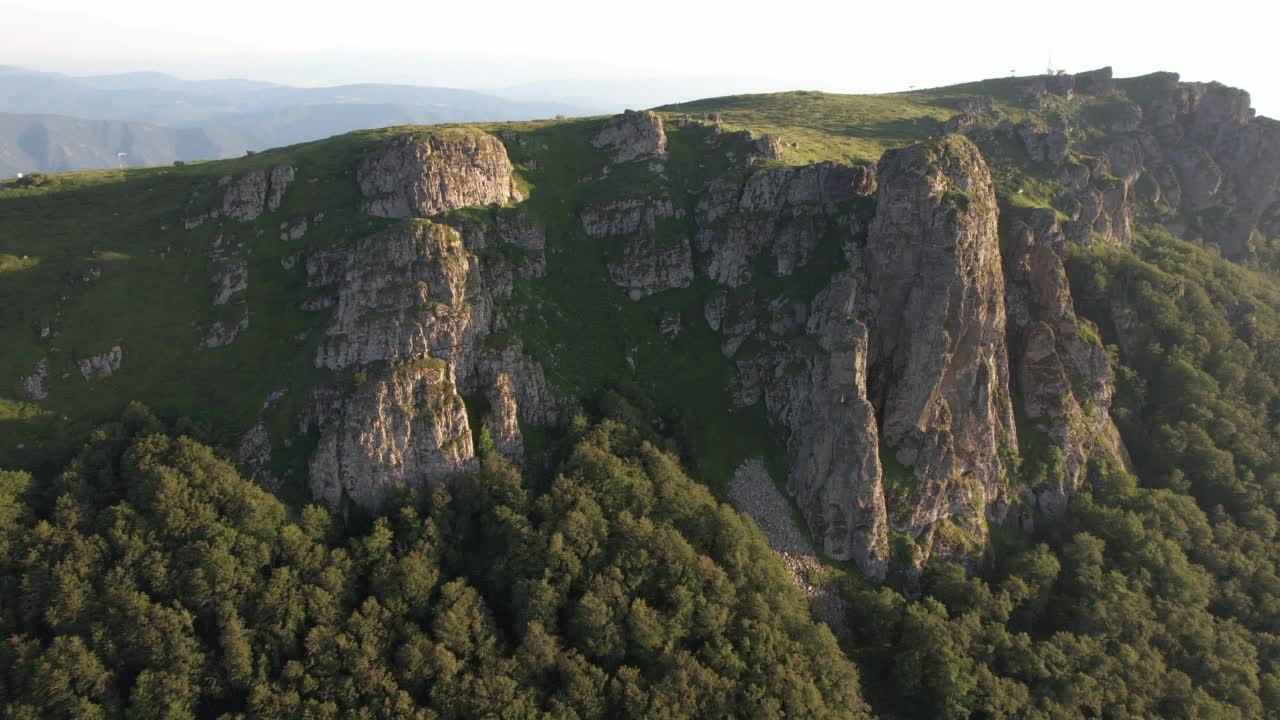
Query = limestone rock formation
x=399 y=296
x=633 y=135
x=1203 y=150
x=229 y=281
x=33 y=385
x=422 y=176
x=230 y=277
x=222 y=333
x=409 y=307
x=624 y=217
x=1061 y=370
x=785 y=209
x=102 y=365
x=649 y=263
x=502 y=420
x=277 y=183
x=940 y=374
x=246 y=197
x=1041 y=145
x=407 y=428
x=536 y=402
x=820 y=398
x=509 y=247
x=643 y=256
x=1098 y=83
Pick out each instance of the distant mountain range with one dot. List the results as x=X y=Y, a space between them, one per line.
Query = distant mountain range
x=51 y=122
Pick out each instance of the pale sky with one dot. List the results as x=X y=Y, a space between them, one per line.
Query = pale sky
x=681 y=50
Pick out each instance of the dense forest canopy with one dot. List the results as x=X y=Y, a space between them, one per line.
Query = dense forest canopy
x=152 y=581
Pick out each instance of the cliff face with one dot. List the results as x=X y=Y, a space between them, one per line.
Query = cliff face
x=408 y=308
x=1205 y=149
x=941 y=377
x=819 y=399
x=1062 y=373
x=408 y=428
x=870 y=330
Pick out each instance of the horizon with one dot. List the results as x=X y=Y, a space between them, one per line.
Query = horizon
x=498 y=92
x=574 y=52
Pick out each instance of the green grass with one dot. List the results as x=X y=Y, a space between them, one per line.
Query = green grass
x=109 y=263
x=853 y=128
x=899 y=480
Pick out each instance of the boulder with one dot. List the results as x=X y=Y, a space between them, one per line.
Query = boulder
x=633 y=135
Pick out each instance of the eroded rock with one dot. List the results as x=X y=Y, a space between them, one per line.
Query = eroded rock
x=940 y=366
x=785 y=210
x=400 y=295
x=245 y=197
x=408 y=428
x=1062 y=373
x=33 y=385
x=502 y=420
x=422 y=176
x=820 y=398
x=102 y=365
x=633 y=135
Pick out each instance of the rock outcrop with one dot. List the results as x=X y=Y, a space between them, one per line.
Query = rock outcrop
x=1205 y=150
x=644 y=255
x=509 y=247
x=1061 y=369
x=409 y=308
x=229 y=281
x=1098 y=83
x=939 y=361
x=246 y=197
x=422 y=176
x=633 y=135
x=399 y=295
x=34 y=385
x=820 y=398
x=1041 y=144
x=785 y=210
x=407 y=428
x=1193 y=147
x=103 y=365
x=502 y=420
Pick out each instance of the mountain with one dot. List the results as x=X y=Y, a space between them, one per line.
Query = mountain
x=994 y=369
x=54 y=143
x=212 y=119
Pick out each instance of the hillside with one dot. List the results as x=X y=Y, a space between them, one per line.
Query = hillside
x=1010 y=351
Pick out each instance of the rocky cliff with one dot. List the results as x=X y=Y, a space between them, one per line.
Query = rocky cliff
x=940 y=363
x=408 y=308
x=876 y=307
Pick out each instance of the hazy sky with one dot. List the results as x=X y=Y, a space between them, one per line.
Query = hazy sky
x=655 y=49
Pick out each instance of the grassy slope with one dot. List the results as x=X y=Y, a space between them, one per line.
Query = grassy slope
x=852 y=128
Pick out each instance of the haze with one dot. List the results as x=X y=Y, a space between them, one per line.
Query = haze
x=608 y=55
